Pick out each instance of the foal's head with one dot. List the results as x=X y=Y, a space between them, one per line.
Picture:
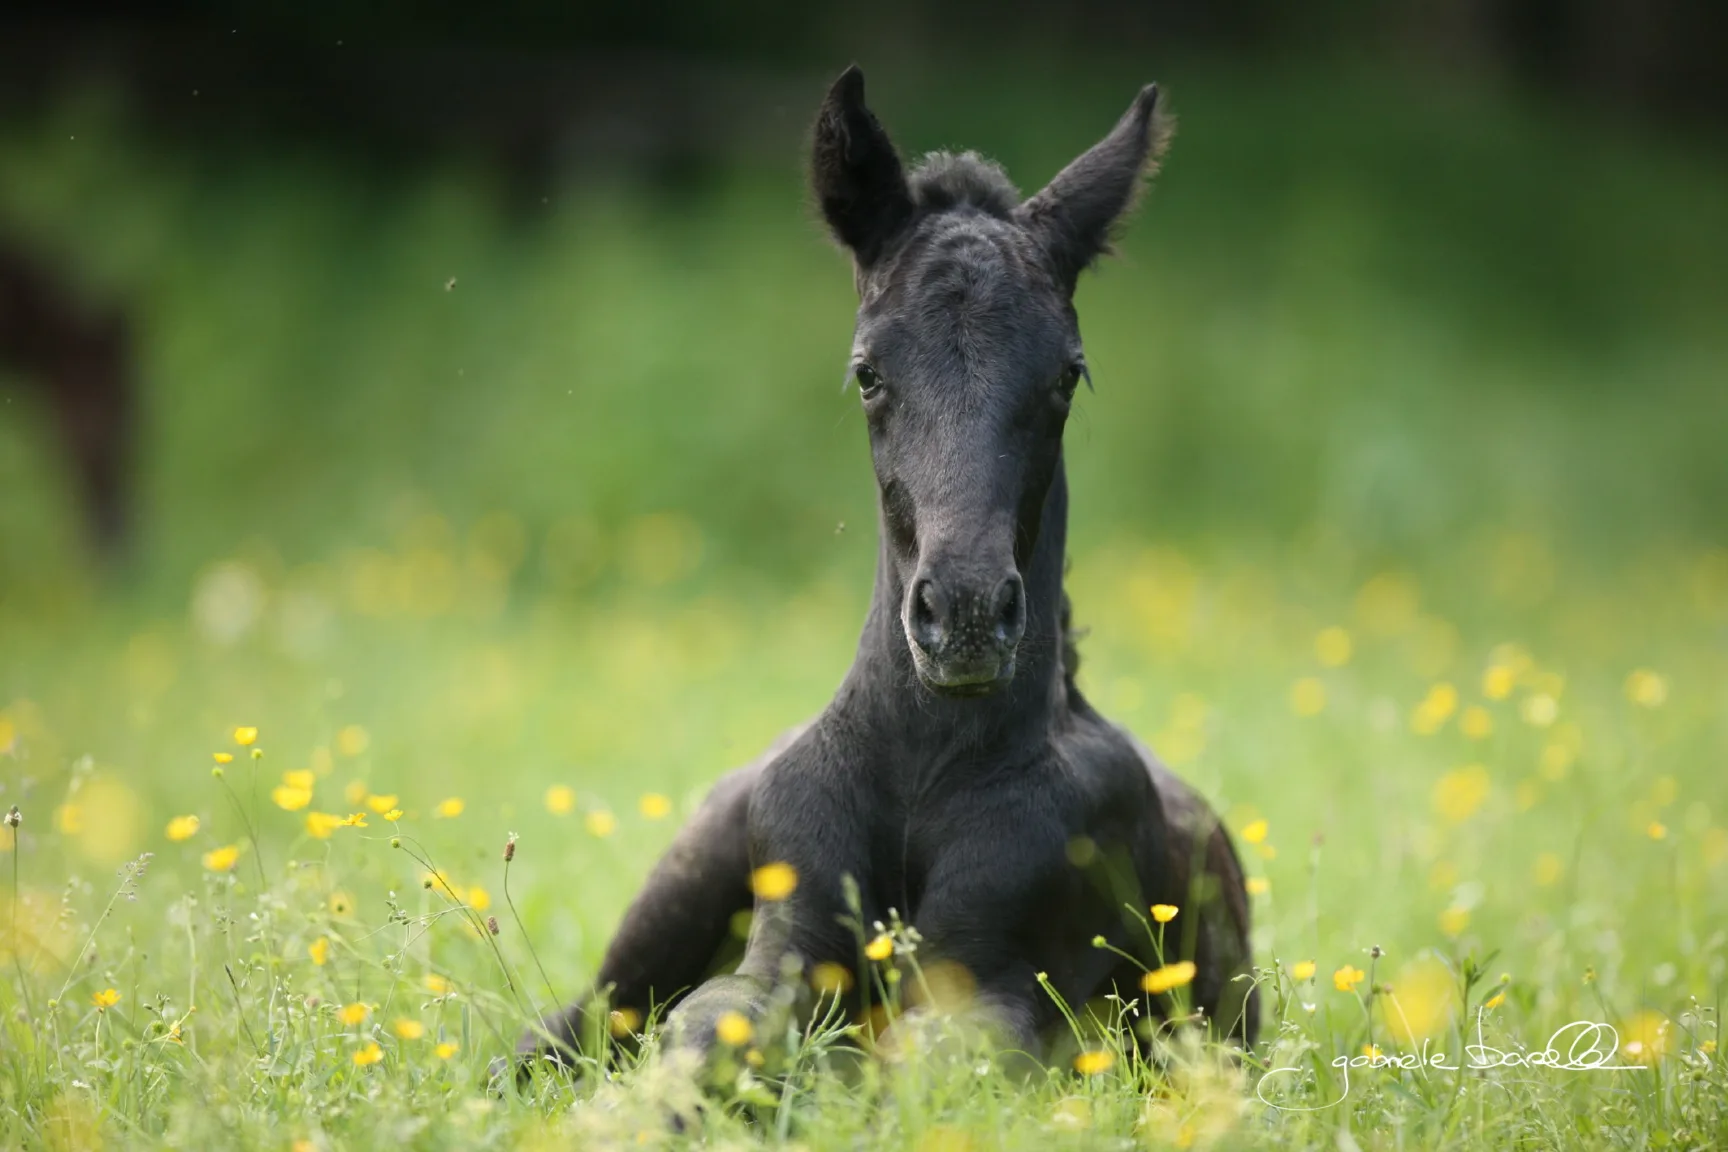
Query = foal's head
x=966 y=355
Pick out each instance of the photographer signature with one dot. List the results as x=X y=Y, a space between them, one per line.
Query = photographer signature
x=1581 y=1046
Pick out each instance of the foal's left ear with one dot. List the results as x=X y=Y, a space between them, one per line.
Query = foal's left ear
x=856 y=173
x=1074 y=215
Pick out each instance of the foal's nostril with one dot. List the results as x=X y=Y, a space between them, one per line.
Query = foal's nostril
x=929 y=614
x=1010 y=611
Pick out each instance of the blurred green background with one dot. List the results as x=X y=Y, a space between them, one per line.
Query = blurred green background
x=490 y=402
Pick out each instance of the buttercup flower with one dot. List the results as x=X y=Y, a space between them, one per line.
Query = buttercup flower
x=222 y=859
x=182 y=828
x=774 y=881
x=105 y=999
x=1164 y=913
x=1094 y=1062
x=245 y=736
x=369 y=1054
x=448 y=808
x=1161 y=980
x=1302 y=970
x=1347 y=977
x=734 y=1029
x=320 y=825
x=880 y=948
x=655 y=806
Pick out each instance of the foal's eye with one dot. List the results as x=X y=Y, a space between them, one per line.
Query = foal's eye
x=1071 y=377
x=869 y=383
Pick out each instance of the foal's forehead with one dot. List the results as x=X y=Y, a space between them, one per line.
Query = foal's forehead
x=969 y=292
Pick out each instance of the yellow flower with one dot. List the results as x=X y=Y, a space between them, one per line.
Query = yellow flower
x=437 y=985
x=1458 y=793
x=1498 y=682
x=1164 y=913
x=1302 y=970
x=1308 y=697
x=1255 y=833
x=1495 y=1000
x=1435 y=709
x=408 y=1029
x=655 y=806
x=446 y=1049
x=381 y=804
x=368 y=1054
x=1555 y=760
x=1170 y=976
x=774 y=881
x=352 y=740
x=1347 y=977
x=830 y=978
x=353 y=1014
x=319 y=950
x=1646 y=688
x=449 y=808
x=1644 y=1036
x=1454 y=920
x=623 y=1022
x=880 y=948
x=733 y=1028
x=393 y=815
x=223 y=757
x=1258 y=885
x=479 y=899
x=354 y=820
x=560 y=799
x=1708 y=1048
x=1372 y=1051
x=340 y=903
x=222 y=859
x=1094 y=1062
x=289 y=798
x=1548 y=869
x=1657 y=830
x=105 y=999
x=246 y=736
x=319 y=825
x=1476 y=722
x=300 y=778
x=1332 y=647
x=182 y=828
x=600 y=823
x=1539 y=709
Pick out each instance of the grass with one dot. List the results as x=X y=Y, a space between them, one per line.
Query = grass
x=1345 y=536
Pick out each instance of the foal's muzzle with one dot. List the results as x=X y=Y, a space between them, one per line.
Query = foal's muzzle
x=964 y=634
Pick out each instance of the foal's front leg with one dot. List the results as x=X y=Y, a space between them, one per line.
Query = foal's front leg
x=809 y=813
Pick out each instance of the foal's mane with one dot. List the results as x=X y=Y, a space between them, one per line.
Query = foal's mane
x=944 y=180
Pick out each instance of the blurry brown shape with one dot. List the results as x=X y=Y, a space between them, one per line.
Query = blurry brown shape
x=79 y=355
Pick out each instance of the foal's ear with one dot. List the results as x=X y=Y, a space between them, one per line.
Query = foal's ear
x=855 y=172
x=1073 y=216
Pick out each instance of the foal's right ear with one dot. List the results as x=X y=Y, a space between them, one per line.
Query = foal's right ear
x=856 y=173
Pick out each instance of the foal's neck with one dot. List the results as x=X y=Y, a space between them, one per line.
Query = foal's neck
x=883 y=688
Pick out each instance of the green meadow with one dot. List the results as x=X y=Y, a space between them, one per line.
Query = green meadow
x=1397 y=529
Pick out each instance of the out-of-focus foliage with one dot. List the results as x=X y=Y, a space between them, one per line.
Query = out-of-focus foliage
x=1397 y=530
